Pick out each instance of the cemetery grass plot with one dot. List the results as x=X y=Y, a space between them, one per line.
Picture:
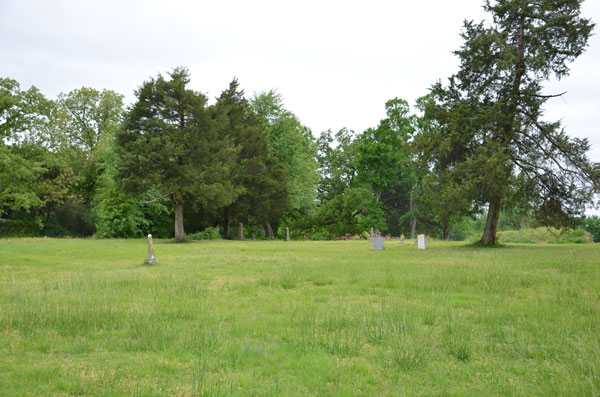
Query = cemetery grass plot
x=295 y=317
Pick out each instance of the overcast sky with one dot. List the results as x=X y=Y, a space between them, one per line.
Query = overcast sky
x=335 y=62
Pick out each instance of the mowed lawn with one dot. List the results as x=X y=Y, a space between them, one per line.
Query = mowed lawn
x=86 y=317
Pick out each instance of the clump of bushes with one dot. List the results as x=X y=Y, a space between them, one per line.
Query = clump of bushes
x=210 y=233
x=591 y=224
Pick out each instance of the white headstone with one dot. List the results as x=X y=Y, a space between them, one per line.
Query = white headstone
x=151 y=259
x=421 y=241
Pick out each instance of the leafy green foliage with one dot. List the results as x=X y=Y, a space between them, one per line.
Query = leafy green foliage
x=120 y=215
x=17 y=180
x=383 y=154
x=294 y=146
x=592 y=225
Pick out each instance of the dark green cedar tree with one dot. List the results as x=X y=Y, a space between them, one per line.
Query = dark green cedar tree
x=490 y=115
x=169 y=141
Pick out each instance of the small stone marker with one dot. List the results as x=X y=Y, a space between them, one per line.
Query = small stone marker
x=402 y=239
x=254 y=237
x=151 y=259
x=377 y=243
x=287 y=233
x=241 y=232
x=372 y=234
x=421 y=241
x=427 y=240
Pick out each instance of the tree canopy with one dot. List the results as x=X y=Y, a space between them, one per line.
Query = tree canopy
x=473 y=156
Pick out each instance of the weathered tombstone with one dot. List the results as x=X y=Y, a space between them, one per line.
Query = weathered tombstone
x=421 y=241
x=377 y=243
x=254 y=237
x=427 y=240
x=372 y=234
x=241 y=232
x=287 y=233
x=402 y=239
x=151 y=259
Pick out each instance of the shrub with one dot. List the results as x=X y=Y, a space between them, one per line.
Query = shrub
x=545 y=235
x=19 y=228
x=592 y=225
x=210 y=233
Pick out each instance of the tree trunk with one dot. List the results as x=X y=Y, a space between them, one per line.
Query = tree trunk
x=413 y=219
x=227 y=223
x=491 y=225
x=413 y=227
x=179 y=232
x=268 y=229
x=447 y=230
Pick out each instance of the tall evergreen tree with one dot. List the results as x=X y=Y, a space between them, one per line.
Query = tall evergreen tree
x=169 y=141
x=258 y=175
x=491 y=112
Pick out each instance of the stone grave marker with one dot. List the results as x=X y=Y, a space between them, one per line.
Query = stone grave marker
x=421 y=241
x=402 y=239
x=377 y=243
x=151 y=259
x=241 y=232
x=427 y=240
x=287 y=233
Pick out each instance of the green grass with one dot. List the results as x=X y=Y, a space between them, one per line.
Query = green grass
x=86 y=317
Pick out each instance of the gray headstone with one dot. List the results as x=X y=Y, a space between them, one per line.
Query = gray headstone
x=402 y=239
x=287 y=233
x=151 y=259
x=427 y=240
x=421 y=241
x=377 y=243
x=372 y=233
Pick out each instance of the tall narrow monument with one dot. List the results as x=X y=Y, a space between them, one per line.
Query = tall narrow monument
x=241 y=232
x=151 y=259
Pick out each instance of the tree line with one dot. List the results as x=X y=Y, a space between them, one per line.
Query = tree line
x=475 y=148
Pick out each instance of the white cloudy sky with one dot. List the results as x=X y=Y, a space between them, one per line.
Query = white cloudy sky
x=334 y=62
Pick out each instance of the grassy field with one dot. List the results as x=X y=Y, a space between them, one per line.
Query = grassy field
x=86 y=317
